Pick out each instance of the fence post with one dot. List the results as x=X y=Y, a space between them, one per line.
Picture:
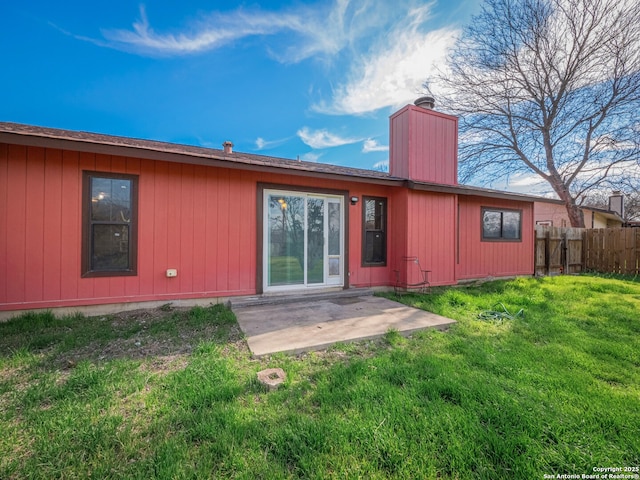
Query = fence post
x=547 y=252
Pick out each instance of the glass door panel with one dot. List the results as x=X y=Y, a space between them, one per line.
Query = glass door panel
x=303 y=240
x=315 y=240
x=334 y=227
x=335 y=224
x=286 y=240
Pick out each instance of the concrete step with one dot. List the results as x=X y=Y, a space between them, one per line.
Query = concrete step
x=284 y=298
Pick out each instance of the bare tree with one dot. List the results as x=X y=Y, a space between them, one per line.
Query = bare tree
x=550 y=87
x=632 y=207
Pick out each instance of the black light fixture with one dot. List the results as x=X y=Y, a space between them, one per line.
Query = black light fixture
x=354 y=200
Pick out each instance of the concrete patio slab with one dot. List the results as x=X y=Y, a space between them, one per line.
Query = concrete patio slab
x=319 y=323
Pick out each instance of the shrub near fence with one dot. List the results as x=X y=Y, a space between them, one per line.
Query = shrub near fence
x=612 y=250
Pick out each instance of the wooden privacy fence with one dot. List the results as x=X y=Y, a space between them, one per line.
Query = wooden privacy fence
x=613 y=250
x=574 y=250
x=559 y=250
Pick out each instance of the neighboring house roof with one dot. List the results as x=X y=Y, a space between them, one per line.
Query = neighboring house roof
x=608 y=214
x=549 y=200
x=30 y=135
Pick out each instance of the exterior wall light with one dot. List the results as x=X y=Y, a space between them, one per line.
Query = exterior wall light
x=354 y=200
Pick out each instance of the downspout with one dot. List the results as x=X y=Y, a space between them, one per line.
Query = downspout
x=455 y=197
x=457 y=224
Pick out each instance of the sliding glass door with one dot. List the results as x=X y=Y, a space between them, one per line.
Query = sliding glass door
x=303 y=240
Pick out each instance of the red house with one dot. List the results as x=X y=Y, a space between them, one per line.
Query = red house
x=88 y=219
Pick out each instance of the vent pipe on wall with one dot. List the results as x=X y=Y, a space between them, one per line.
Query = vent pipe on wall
x=425 y=102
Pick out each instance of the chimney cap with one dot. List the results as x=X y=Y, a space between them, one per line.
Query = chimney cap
x=228 y=146
x=427 y=102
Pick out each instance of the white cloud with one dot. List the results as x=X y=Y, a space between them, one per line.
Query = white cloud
x=324 y=29
x=311 y=157
x=217 y=30
x=323 y=138
x=386 y=47
x=525 y=180
x=393 y=72
x=527 y=183
x=382 y=166
x=371 y=145
x=262 y=144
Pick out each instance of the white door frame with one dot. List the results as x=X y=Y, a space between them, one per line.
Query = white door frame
x=329 y=280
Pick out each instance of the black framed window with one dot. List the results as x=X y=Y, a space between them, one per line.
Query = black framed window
x=109 y=224
x=501 y=225
x=374 y=231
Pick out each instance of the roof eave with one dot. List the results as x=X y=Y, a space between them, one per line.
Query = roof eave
x=471 y=191
x=213 y=158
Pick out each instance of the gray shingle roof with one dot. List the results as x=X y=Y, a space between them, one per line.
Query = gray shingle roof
x=86 y=138
x=22 y=134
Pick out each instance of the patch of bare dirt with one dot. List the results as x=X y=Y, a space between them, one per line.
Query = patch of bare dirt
x=163 y=338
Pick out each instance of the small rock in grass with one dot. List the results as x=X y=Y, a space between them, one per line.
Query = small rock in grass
x=272 y=377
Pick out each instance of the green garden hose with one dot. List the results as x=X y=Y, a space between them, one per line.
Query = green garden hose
x=497 y=314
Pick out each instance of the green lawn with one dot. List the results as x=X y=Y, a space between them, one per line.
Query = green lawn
x=172 y=394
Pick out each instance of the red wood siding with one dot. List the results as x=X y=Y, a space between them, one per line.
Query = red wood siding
x=424 y=146
x=399 y=145
x=53 y=208
x=198 y=220
x=420 y=224
x=188 y=219
x=15 y=230
x=398 y=234
x=34 y=235
x=203 y=221
x=70 y=223
x=478 y=259
x=431 y=234
x=4 y=213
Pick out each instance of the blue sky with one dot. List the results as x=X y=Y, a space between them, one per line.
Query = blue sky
x=314 y=80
